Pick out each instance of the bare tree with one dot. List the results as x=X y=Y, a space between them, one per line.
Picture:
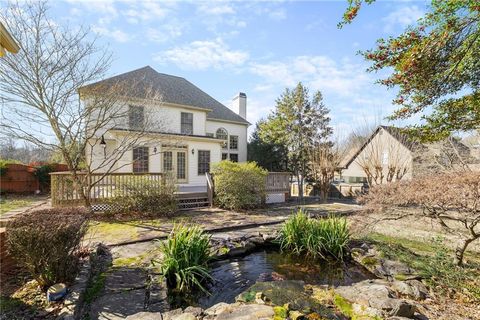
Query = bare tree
x=41 y=102
x=451 y=199
x=324 y=162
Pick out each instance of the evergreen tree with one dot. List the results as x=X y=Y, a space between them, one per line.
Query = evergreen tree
x=270 y=156
x=298 y=123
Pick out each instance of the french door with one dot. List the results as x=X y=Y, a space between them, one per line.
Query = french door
x=175 y=161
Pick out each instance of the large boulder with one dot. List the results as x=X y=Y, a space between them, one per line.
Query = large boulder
x=376 y=295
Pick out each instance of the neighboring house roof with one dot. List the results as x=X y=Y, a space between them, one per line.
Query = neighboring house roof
x=141 y=82
x=394 y=132
x=7 y=42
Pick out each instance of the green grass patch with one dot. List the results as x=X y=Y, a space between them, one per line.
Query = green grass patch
x=113 y=231
x=7 y=205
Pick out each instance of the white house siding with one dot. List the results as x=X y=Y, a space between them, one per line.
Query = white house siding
x=124 y=164
x=384 y=142
x=239 y=130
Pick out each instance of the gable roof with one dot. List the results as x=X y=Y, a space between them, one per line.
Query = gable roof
x=177 y=90
x=395 y=133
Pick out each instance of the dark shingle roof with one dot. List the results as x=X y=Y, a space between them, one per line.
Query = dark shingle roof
x=140 y=82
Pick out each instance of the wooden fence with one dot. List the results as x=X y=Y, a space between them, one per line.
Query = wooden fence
x=65 y=193
x=21 y=178
x=278 y=182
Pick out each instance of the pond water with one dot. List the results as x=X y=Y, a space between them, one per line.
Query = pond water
x=234 y=276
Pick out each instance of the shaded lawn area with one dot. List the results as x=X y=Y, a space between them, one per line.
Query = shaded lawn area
x=15 y=202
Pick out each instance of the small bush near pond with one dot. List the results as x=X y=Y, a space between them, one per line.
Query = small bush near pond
x=315 y=237
x=239 y=185
x=152 y=197
x=186 y=254
x=46 y=243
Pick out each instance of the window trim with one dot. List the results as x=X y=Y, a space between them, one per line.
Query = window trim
x=230 y=157
x=225 y=140
x=147 y=160
x=182 y=123
x=198 y=162
x=230 y=142
x=131 y=118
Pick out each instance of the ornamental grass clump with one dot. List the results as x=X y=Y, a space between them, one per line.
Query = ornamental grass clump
x=47 y=243
x=186 y=254
x=318 y=238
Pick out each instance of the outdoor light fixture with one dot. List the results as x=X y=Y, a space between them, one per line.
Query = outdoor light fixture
x=154 y=149
x=193 y=151
x=103 y=144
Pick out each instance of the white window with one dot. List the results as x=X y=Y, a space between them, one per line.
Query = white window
x=233 y=142
x=385 y=157
x=223 y=135
x=186 y=125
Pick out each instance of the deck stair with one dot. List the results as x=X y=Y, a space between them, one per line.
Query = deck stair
x=191 y=200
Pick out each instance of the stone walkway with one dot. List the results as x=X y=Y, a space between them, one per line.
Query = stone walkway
x=120 y=233
x=133 y=286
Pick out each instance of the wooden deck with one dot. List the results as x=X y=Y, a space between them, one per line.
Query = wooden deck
x=105 y=186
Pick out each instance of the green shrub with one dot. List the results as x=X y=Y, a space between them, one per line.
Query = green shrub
x=239 y=185
x=46 y=243
x=186 y=254
x=43 y=175
x=318 y=238
x=144 y=195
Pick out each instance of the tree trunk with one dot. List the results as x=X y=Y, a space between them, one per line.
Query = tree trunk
x=300 y=187
x=460 y=251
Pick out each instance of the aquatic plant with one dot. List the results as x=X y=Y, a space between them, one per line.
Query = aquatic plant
x=315 y=237
x=186 y=254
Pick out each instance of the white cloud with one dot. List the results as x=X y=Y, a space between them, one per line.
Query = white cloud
x=201 y=55
x=101 y=7
x=146 y=11
x=216 y=8
x=319 y=72
x=165 y=33
x=116 y=34
x=402 y=16
x=278 y=14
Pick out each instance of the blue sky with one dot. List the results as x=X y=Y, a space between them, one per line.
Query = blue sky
x=257 y=47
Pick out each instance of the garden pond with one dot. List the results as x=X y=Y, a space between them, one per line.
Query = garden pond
x=235 y=275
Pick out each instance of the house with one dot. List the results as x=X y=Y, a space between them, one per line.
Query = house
x=389 y=155
x=191 y=130
x=7 y=42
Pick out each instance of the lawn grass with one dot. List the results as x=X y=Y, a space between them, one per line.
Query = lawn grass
x=9 y=204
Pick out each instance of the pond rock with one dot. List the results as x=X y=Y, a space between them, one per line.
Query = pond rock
x=291 y=292
x=145 y=316
x=414 y=289
x=246 y=312
x=377 y=295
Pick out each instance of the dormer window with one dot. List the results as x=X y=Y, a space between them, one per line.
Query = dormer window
x=186 y=123
x=136 y=117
